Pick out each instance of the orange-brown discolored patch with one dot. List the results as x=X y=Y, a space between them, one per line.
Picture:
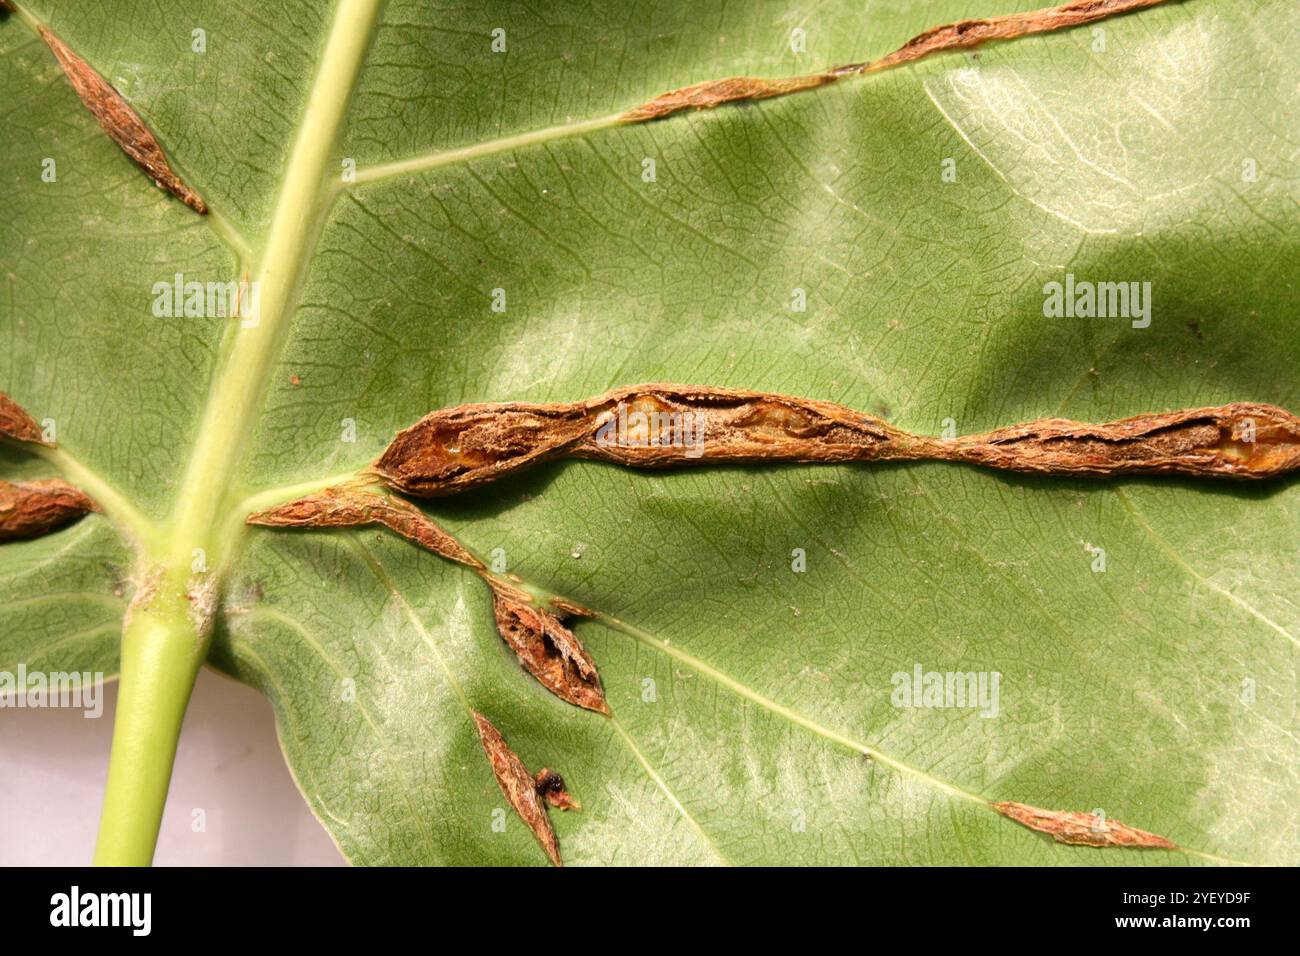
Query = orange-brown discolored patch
x=656 y=425
x=545 y=647
x=1082 y=829
x=571 y=609
x=17 y=424
x=965 y=34
x=452 y=449
x=714 y=93
x=30 y=509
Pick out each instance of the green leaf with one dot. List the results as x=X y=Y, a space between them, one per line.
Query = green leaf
x=753 y=715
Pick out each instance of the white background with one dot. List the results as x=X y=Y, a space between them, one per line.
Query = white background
x=52 y=767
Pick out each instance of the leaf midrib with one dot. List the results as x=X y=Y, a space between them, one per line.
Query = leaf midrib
x=300 y=209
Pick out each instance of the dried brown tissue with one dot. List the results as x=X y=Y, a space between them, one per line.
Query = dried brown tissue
x=961 y=35
x=30 y=509
x=454 y=449
x=545 y=647
x=1082 y=829
x=17 y=424
x=349 y=507
x=122 y=123
x=526 y=793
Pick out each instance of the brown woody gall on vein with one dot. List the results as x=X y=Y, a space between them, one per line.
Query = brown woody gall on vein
x=453 y=449
x=344 y=507
x=30 y=509
x=456 y=448
x=972 y=33
x=17 y=424
x=952 y=36
x=640 y=426
x=545 y=647
x=1082 y=829
x=1241 y=440
x=733 y=89
x=519 y=786
x=121 y=122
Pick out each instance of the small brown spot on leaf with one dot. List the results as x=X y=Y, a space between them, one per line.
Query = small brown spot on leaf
x=1082 y=829
x=547 y=649
x=30 y=509
x=17 y=424
x=518 y=786
x=551 y=787
x=120 y=121
x=294 y=380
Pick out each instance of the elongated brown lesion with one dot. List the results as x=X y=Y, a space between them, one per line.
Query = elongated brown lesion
x=733 y=89
x=527 y=794
x=547 y=649
x=967 y=34
x=351 y=506
x=31 y=509
x=1082 y=829
x=1241 y=440
x=122 y=123
x=662 y=425
x=454 y=449
x=962 y=35
x=544 y=645
x=458 y=448
x=18 y=425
